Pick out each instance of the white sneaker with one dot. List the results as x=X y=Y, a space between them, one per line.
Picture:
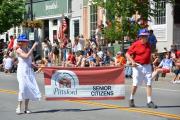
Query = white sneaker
x=18 y=110
x=27 y=111
x=174 y=82
x=177 y=81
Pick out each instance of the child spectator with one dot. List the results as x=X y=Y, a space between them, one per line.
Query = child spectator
x=71 y=60
x=8 y=63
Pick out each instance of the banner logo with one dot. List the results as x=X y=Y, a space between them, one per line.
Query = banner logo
x=64 y=79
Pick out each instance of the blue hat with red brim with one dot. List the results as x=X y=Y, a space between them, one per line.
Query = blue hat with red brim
x=22 y=38
x=143 y=32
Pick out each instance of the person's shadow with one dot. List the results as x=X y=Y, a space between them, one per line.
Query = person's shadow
x=96 y=109
x=68 y=110
x=168 y=106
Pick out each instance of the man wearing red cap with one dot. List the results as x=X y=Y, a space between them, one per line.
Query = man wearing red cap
x=139 y=54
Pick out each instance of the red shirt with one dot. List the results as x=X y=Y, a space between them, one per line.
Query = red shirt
x=64 y=42
x=141 y=52
x=121 y=60
x=11 y=43
x=178 y=53
x=72 y=59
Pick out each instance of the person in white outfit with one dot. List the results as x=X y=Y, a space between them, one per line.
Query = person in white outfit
x=8 y=63
x=28 y=88
x=98 y=35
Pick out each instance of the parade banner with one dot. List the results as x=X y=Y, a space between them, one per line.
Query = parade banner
x=92 y=83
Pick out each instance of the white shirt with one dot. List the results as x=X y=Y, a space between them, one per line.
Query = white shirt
x=98 y=34
x=77 y=47
x=100 y=54
x=8 y=63
x=166 y=63
x=82 y=41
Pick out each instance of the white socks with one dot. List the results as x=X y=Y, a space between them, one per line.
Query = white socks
x=131 y=97
x=149 y=99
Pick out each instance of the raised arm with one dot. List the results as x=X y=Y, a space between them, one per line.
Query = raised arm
x=26 y=55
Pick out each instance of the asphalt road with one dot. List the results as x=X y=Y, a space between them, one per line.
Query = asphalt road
x=165 y=94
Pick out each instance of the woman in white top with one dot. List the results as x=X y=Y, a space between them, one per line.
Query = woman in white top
x=165 y=66
x=28 y=88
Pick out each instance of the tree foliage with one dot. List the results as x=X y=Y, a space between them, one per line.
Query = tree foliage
x=11 y=13
x=113 y=32
x=123 y=10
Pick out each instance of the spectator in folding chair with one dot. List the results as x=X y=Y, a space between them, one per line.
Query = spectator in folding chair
x=176 y=71
x=155 y=63
x=165 y=66
x=120 y=59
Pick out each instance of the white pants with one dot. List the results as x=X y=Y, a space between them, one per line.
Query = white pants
x=142 y=73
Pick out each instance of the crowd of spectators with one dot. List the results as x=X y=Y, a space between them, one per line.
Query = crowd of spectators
x=88 y=53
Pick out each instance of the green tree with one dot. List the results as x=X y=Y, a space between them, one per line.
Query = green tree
x=11 y=13
x=122 y=11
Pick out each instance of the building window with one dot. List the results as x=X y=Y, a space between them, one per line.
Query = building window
x=161 y=12
x=55 y=22
x=93 y=19
x=46 y=28
x=76 y=28
x=176 y=12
